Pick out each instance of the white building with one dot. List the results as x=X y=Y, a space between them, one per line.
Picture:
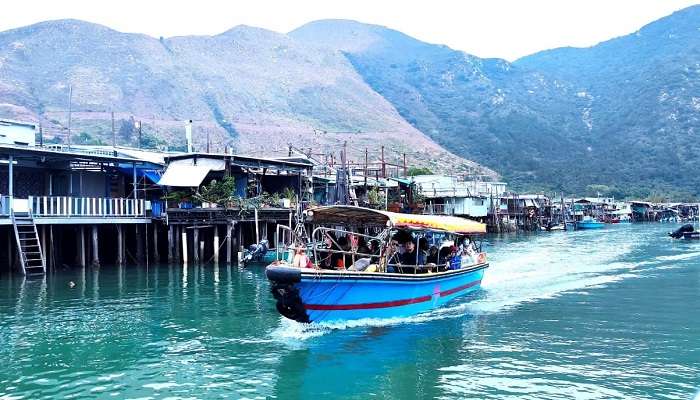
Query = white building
x=447 y=195
x=17 y=133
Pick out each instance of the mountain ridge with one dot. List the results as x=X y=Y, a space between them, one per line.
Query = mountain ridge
x=545 y=127
x=247 y=86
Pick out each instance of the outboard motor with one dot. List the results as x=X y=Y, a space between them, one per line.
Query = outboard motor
x=256 y=251
x=678 y=233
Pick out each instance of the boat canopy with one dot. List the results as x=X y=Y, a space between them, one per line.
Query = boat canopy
x=366 y=216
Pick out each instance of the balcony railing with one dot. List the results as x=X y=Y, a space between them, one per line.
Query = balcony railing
x=440 y=209
x=89 y=207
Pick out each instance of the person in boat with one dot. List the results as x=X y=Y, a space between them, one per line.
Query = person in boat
x=326 y=257
x=412 y=256
x=301 y=260
x=455 y=258
x=393 y=257
x=340 y=260
x=468 y=252
x=433 y=254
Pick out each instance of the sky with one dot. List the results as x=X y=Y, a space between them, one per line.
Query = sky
x=495 y=28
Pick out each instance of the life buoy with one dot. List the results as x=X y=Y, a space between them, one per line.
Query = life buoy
x=481 y=258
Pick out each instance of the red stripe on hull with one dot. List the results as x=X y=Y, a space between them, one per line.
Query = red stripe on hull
x=386 y=304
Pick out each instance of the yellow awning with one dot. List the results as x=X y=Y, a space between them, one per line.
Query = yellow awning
x=437 y=222
x=358 y=216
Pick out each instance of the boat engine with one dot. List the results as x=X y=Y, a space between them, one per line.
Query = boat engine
x=256 y=251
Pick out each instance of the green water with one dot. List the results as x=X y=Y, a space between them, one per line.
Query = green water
x=595 y=315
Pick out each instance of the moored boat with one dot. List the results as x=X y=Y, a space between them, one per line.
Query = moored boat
x=589 y=222
x=374 y=282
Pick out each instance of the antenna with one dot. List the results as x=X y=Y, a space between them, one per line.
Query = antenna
x=70 y=105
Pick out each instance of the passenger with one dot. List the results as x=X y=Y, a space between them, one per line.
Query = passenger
x=455 y=258
x=338 y=258
x=326 y=257
x=362 y=246
x=301 y=260
x=468 y=253
x=432 y=255
x=412 y=256
x=392 y=256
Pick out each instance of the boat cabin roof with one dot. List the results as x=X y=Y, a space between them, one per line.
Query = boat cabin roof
x=345 y=215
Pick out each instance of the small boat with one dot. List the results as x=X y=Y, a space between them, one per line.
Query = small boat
x=589 y=222
x=554 y=227
x=259 y=253
x=625 y=219
x=686 y=231
x=376 y=285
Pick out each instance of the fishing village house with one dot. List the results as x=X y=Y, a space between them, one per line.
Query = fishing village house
x=52 y=197
x=64 y=205
x=266 y=193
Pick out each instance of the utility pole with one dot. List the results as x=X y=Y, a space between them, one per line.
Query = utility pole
x=366 y=162
x=70 y=106
x=405 y=170
x=140 y=133
x=208 y=141
x=114 y=135
x=383 y=164
x=41 y=136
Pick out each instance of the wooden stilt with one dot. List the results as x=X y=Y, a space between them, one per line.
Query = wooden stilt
x=216 y=244
x=156 y=253
x=239 y=239
x=53 y=250
x=184 y=245
x=139 y=244
x=257 y=228
x=171 y=253
x=120 y=245
x=178 y=236
x=201 y=250
x=81 y=246
x=43 y=243
x=95 y=247
x=195 y=245
x=229 y=242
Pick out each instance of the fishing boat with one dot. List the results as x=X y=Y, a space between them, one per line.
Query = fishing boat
x=373 y=282
x=588 y=222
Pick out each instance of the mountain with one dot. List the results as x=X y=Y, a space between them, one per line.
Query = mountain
x=256 y=89
x=643 y=94
x=617 y=118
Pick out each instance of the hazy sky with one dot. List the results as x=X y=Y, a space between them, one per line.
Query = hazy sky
x=495 y=28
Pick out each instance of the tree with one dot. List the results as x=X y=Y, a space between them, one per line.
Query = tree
x=415 y=171
x=126 y=128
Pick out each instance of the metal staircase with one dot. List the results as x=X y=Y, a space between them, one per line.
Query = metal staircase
x=31 y=256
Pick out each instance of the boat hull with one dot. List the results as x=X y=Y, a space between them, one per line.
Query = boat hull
x=590 y=225
x=307 y=295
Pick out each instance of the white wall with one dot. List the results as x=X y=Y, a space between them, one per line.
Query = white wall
x=14 y=133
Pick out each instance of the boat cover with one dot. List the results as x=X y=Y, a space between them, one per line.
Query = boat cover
x=365 y=216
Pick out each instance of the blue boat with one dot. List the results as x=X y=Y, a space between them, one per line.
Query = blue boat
x=374 y=285
x=589 y=222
